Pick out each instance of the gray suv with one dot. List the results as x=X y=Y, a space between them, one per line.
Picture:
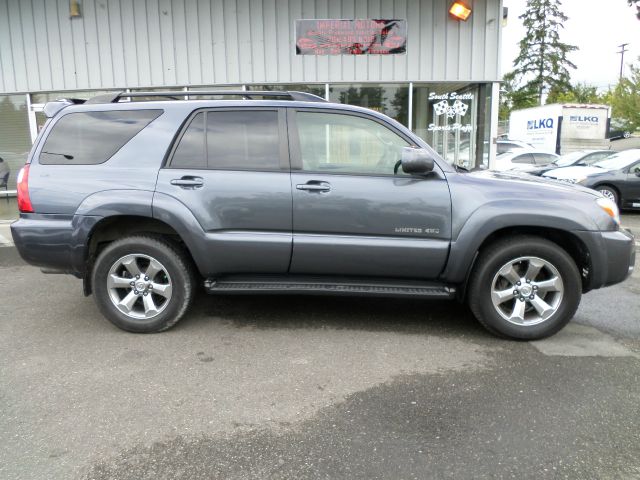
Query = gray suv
x=148 y=196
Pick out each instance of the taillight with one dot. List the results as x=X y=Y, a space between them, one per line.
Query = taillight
x=24 y=202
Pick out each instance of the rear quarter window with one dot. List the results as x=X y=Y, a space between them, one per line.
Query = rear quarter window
x=89 y=138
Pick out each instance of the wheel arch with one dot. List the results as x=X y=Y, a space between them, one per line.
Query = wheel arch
x=115 y=227
x=566 y=240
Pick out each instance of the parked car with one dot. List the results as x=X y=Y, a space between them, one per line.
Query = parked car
x=579 y=158
x=523 y=159
x=285 y=193
x=616 y=177
x=618 y=134
x=506 y=145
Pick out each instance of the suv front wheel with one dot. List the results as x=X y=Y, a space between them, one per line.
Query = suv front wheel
x=524 y=288
x=143 y=284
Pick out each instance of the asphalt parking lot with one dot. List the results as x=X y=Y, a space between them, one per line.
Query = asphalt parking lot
x=309 y=387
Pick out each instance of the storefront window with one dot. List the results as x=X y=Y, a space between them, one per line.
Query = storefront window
x=15 y=139
x=157 y=89
x=44 y=97
x=452 y=119
x=214 y=88
x=316 y=89
x=388 y=98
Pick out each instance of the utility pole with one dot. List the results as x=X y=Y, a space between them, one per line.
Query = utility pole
x=623 y=48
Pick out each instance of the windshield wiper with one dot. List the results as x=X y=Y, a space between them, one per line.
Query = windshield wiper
x=65 y=155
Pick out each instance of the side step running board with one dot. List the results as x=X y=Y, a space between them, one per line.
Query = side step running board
x=328 y=286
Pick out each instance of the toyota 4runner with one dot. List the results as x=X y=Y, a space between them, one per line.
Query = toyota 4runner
x=148 y=196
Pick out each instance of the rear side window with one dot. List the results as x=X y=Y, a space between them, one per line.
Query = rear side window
x=89 y=138
x=190 y=152
x=543 y=158
x=230 y=140
x=504 y=147
x=524 y=158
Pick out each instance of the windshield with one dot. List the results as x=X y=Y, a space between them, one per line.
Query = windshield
x=569 y=159
x=619 y=160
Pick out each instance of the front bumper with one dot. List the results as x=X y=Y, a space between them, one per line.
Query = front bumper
x=612 y=257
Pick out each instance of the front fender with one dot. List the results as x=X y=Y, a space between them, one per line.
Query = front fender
x=499 y=215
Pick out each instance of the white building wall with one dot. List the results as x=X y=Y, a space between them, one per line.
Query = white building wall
x=147 y=43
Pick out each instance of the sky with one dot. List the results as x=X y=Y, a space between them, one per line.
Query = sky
x=597 y=27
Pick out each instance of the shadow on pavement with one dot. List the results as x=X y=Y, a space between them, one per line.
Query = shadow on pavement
x=351 y=313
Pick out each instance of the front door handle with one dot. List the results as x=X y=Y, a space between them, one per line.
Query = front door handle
x=188 y=182
x=314 y=186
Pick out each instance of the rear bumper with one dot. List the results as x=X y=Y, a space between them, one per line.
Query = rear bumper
x=612 y=255
x=53 y=242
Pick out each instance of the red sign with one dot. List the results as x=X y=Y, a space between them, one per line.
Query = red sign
x=351 y=37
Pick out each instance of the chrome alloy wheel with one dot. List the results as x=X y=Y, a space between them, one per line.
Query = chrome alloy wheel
x=139 y=286
x=527 y=291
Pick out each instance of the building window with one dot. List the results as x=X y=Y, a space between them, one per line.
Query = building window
x=454 y=120
x=44 y=97
x=314 y=88
x=388 y=98
x=15 y=139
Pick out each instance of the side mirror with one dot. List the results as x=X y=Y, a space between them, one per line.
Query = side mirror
x=416 y=161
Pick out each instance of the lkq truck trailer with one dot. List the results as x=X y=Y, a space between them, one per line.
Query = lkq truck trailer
x=562 y=128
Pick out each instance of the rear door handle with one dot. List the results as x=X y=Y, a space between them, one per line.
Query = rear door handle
x=188 y=182
x=314 y=186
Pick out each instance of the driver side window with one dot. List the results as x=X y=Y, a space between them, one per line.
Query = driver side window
x=339 y=143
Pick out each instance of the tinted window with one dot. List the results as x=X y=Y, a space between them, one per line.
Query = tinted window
x=243 y=139
x=93 y=137
x=544 y=158
x=595 y=157
x=524 y=158
x=347 y=144
x=190 y=152
x=504 y=147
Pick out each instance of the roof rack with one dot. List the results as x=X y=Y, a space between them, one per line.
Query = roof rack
x=245 y=94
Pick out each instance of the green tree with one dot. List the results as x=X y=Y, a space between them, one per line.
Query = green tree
x=578 y=93
x=625 y=100
x=512 y=98
x=542 y=64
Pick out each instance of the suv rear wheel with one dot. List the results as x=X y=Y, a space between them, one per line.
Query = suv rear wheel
x=525 y=288
x=143 y=284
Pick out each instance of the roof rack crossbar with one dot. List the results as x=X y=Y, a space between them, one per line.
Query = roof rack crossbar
x=173 y=95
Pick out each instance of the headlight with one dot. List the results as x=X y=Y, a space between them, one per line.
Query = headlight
x=610 y=207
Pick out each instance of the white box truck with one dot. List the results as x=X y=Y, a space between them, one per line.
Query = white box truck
x=562 y=128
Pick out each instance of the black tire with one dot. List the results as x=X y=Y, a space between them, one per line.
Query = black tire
x=497 y=255
x=179 y=275
x=609 y=192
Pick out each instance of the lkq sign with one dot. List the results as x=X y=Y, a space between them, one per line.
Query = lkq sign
x=539 y=124
x=586 y=123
